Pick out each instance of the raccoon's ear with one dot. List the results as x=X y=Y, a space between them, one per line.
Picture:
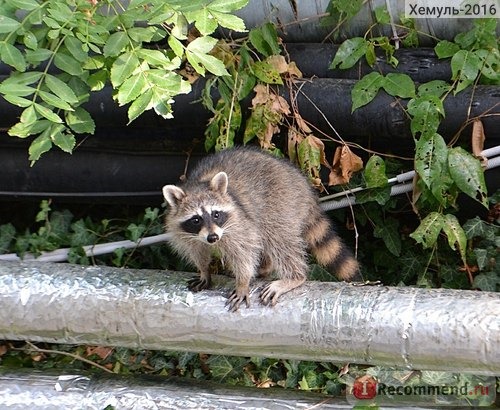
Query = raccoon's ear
x=219 y=183
x=173 y=194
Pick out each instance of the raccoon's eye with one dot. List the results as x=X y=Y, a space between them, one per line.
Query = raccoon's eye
x=195 y=220
x=216 y=214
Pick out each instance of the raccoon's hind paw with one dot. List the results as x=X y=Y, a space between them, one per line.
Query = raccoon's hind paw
x=197 y=283
x=235 y=299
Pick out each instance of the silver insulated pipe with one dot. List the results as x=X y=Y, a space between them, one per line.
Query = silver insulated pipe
x=433 y=329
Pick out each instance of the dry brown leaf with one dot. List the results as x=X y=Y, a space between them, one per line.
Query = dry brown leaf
x=293 y=70
x=261 y=95
x=294 y=139
x=301 y=123
x=279 y=104
x=100 y=351
x=478 y=138
x=345 y=164
x=278 y=63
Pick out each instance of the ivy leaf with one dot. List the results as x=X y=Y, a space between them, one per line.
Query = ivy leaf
x=399 y=85
x=389 y=233
x=349 y=52
x=428 y=230
x=366 y=89
x=467 y=173
x=455 y=234
x=476 y=227
x=374 y=173
x=481 y=257
x=465 y=67
x=487 y=282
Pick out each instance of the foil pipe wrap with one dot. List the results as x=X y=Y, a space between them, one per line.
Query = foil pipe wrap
x=49 y=390
x=34 y=390
x=432 y=329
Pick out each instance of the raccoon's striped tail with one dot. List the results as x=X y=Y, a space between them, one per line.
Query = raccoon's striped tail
x=330 y=251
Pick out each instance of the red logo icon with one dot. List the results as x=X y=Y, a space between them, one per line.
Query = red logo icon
x=364 y=388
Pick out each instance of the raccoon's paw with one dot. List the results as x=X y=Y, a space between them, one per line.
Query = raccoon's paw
x=270 y=294
x=198 y=283
x=234 y=300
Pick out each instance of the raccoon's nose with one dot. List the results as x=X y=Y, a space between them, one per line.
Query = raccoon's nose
x=212 y=238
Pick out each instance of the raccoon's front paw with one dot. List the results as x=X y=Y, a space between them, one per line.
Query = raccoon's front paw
x=198 y=283
x=235 y=299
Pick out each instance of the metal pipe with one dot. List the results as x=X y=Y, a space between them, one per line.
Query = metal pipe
x=433 y=329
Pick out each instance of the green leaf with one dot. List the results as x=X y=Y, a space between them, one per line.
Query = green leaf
x=8 y=25
x=445 y=49
x=465 y=67
x=227 y=6
x=40 y=145
x=131 y=88
x=265 y=39
x=37 y=56
x=115 y=44
x=487 y=282
x=201 y=61
x=426 y=112
x=229 y=21
x=159 y=59
x=30 y=41
x=63 y=140
x=16 y=89
x=61 y=89
x=428 y=230
x=68 y=64
x=379 y=195
x=374 y=172
x=366 y=89
x=10 y=55
x=349 y=52
x=205 y=23
x=47 y=113
x=382 y=15
x=431 y=156
x=123 y=67
x=476 y=227
x=7 y=234
x=80 y=121
x=24 y=5
x=481 y=257
x=54 y=101
x=389 y=232
x=434 y=88
x=399 y=85
x=75 y=47
x=18 y=101
x=140 y=105
x=176 y=46
x=266 y=72
x=455 y=234
x=467 y=173
x=490 y=63
x=98 y=80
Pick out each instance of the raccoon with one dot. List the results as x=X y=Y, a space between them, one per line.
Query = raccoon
x=261 y=215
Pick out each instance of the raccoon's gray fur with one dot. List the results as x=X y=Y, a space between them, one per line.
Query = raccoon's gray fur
x=261 y=215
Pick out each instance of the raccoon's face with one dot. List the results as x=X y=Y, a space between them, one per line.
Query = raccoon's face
x=207 y=223
x=196 y=215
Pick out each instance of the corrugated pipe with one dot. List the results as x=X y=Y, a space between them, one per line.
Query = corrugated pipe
x=329 y=203
x=427 y=329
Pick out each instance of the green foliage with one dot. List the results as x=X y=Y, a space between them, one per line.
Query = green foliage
x=61 y=54
x=443 y=172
